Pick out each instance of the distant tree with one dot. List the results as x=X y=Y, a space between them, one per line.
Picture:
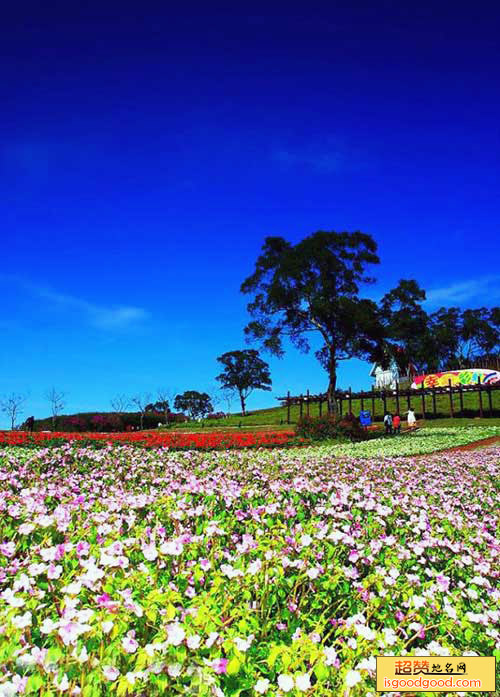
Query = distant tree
x=407 y=324
x=228 y=396
x=141 y=402
x=244 y=371
x=120 y=403
x=313 y=286
x=479 y=333
x=461 y=336
x=445 y=327
x=165 y=397
x=57 y=404
x=196 y=404
x=12 y=405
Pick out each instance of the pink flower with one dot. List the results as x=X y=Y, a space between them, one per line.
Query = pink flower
x=220 y=665
x=129 y=644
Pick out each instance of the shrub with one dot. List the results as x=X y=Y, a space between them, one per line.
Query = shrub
x=331 y=427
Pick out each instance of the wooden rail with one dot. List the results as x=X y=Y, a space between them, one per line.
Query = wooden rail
x=374 y=395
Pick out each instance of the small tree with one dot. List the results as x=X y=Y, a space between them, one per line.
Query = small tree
x=120 y=403
x=196 y=404
x=228 y=396
x=13 y=407
x=141 y=402
x=244 y=371
x=165 y=398
x=57 y=404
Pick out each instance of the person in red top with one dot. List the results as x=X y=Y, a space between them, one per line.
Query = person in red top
x=396 y=424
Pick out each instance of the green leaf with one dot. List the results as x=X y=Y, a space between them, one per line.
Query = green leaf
x=321 y=671
x=233 y=666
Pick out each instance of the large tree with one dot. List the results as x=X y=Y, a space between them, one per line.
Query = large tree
x=196 y=404
x=313 y=286
x=244 y=371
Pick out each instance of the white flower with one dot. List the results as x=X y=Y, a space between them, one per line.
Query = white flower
x=306 y=540
x=243 y=644
x=48 y=626
x=367 y=664
x=174 y=548
x=363 y=631
x=62 y=684
x=313 y=573
x=390 y=636
x=176 y=634
x=150 y=552
x=261 y=686
x=107 y=626
x=330 y=655
x=129 y=644
x=212 y=637
x=110 y=672
x=302 y=682
x=193 y=641
x=9 y=596
x=22 y=621
x=285 y=682
x=352 y=678
x=174 y=670
x=254 y=567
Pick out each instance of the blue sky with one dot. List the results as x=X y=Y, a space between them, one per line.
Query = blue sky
x=146 y=152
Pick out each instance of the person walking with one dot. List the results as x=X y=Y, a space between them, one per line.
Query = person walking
x=388 y=423
x=396 y=423
x=412 y=421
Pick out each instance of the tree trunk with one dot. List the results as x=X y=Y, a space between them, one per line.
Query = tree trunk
x=332 y=384
x=242 y=400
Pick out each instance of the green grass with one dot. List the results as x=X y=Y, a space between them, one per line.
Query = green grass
x=277 y=416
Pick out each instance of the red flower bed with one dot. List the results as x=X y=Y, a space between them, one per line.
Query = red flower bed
x=150 y=439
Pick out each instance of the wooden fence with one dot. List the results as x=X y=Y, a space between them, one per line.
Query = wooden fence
x=402 y=398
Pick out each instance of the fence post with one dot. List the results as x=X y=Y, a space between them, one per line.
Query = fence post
x=373 y=404
x=490 y=404
x=288 y=407
x=408 y=398
x=434 y=408
x=307 y=403
x=301 y=405
x=461 y=396
x=423 y=401
x=480 y=392
x=397 y=397
x=452 y=413
x=320 y=406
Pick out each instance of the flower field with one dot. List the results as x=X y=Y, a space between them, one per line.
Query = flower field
x=130 y=571
x=155 y=439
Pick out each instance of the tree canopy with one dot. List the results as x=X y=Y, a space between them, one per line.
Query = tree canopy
x=313 y=286
x=244 y=371
x=196 y=404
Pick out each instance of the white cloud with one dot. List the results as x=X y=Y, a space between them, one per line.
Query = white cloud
x=485 y=290
x=118 y=317
x=321 y=161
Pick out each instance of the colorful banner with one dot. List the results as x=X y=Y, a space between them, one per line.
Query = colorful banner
x=470 y=376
